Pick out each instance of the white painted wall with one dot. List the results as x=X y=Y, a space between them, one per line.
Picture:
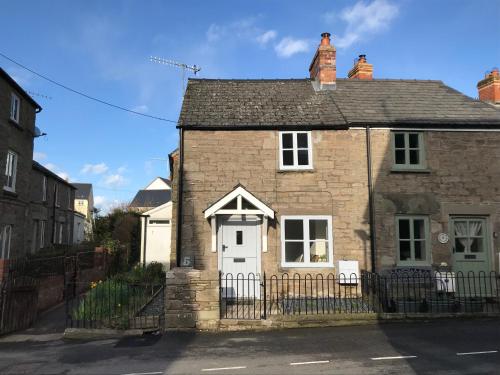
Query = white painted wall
x=156 y=235
x=157 y=184
x=79 y=228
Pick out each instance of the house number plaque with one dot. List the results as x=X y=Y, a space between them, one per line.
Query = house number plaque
x=443 y=238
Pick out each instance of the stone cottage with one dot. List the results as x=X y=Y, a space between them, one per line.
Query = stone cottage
x=294 y=175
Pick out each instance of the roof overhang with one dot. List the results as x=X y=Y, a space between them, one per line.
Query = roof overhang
x=239 y=193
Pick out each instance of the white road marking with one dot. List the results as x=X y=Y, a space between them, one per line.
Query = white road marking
x=146 y=373
x=473 y=353
x=395 y=357
x=224 y=368
x=307 y=363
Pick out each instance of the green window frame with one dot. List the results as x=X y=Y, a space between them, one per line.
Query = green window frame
x=413 y=240
x=408 y=150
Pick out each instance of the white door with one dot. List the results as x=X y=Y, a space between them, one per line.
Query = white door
x=239 y=246
x=158 y=243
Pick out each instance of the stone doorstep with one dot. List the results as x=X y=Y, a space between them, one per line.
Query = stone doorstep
x=99 y=334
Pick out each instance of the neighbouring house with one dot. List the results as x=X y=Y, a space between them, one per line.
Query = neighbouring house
x=84 y=205
x=17 y=132
x=52 y=212
x=155 y=194
x=294 y=175
x=155 y=206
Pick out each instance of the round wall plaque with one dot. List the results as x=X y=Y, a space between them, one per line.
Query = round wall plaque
x=443 y=238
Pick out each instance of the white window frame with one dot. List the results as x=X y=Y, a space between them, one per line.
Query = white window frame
x=412 y=261
x=56 y=194
x=305 y=222
x=44 y=189
x=69 y=199
x=11 y=170
x=295 y=149
x=421 y=151
x=42 y=234
x=15 y=108
x=5 y=240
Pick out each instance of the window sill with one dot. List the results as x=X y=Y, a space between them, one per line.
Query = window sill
x=10 y=193
x=16 y=124
x=306 y=266
x=299 y=170
x=409 y=170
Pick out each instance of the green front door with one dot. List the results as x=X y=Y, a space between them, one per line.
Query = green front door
x=471 y=254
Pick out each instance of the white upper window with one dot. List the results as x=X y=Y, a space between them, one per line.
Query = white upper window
x=5 y=235
x=56 y=194
x=295 y=150
x=44 y=189
x=412 y=234
x=408 y=150
x=306 y=241
x=10 y=171
x=15 y=107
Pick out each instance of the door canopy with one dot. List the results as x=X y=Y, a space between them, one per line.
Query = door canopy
x=239 y=202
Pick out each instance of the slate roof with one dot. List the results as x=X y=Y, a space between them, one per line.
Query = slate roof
x=277 y=103
x=48 y=172
x=151 y=198
x=11 y=80
x=83 y=190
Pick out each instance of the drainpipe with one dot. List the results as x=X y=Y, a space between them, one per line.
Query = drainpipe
x=145 y=239
x=179 y=198
x=370 y=199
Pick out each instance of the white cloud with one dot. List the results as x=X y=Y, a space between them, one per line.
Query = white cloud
x=55 y=169
x=122 y=169
x=94 y=168
x=266 y=37
x=115 y=181
x=39 y=156
x=143 y=108
x=364 y=20
x=215 y=32
x=290 y=46
x=99 y=200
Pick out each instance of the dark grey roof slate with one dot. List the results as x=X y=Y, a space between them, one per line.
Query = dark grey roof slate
x=273 y=103
x=36 y=165
x=83 y=190
x=151 y=198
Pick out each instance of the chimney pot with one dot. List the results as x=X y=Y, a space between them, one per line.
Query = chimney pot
x=325 y=39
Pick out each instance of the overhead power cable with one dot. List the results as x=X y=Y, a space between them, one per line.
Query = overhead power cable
x=86 y=95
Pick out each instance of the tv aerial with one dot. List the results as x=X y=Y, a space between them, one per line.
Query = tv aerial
x=160 y=60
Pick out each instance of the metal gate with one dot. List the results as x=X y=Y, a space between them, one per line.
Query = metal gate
x=18 y=303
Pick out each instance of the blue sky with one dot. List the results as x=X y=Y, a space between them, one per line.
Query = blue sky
x=102 y=49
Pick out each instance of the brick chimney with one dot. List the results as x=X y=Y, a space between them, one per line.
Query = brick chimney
x=361 y=69
x=323 y=69
x=489 y=87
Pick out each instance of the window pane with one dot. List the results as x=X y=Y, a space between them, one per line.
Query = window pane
x=302 y=140
x=303 y=156
x=418 y=229
x=318 y=230
x=294 y=252
x=460 y=244
x=294 y=230
x=318 y=251
x=419 y=250
x=400 y=157
x=414 y=157
x=246 y=205
x=233 y=205
x=476 y=245
x=404 y=229
x=288 y=157
x=399 y=140
x=414 y=140
x=287 y=140
x=239 y=237
x=404 y=250
x=475 y=228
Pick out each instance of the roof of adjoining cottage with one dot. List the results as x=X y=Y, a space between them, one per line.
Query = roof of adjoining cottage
x=151 y=198
x=215 y=103
x=83 y=190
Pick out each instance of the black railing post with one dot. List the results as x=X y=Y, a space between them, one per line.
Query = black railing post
x=264 y=315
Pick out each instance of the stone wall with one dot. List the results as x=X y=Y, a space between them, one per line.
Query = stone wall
x=192 y=299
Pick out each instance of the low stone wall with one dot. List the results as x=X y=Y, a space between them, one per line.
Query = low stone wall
x=192 y=299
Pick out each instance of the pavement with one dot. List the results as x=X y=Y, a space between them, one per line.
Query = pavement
x=434 y=347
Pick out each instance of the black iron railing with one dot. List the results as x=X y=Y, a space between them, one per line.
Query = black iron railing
x=259 y=296
x=115 y=304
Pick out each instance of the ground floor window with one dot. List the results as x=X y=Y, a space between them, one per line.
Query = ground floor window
x=5 y=237
x=412 y=234
x=306 y=241
x=469 y=235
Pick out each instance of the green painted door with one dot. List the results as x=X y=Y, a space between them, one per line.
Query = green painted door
x=471 y=255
